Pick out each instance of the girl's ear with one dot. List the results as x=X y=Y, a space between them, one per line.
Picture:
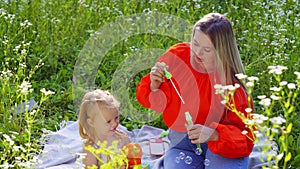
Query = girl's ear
x=90 y=122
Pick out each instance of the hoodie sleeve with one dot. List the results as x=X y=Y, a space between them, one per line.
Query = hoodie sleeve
x=155 y=100
x=159 y=100
x=232 y=143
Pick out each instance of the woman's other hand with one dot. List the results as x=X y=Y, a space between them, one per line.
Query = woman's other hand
x=200 y=134
x=157 y=75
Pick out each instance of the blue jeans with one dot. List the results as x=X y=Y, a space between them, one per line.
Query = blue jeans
x=181 y=155
x=219 y=162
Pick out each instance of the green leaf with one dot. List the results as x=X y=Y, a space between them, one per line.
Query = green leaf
x=286 y=104
x=288 y=157
x=297 y=158
x=290 y=109
x=289 y=128
x=290 y=139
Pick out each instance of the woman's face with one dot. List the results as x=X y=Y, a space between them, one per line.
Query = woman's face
x=105 y=125
x=202 y=53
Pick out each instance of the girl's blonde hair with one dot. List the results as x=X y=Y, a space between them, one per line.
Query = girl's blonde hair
x=94 y=100
x=219 y=29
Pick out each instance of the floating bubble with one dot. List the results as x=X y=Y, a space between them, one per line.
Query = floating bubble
x=177 y=160
x=198 y=151
x=206 y=162
x=188 y=160
x=181 y=155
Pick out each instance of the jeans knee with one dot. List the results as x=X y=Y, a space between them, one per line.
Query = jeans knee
x=214 y=161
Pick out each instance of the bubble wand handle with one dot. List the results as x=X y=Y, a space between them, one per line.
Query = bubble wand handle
x=169 y=77
x=188 y=117
x=189 y=120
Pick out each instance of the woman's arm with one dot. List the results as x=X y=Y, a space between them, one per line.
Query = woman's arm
x=156 y=100
x=232 y=143
x=147 y=93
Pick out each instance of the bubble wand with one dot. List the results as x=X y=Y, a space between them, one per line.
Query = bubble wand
x=188 y=117
x=169 y=77
x=189 y=120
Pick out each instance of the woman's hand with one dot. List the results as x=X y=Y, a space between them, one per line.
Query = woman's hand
x=157 y=75
x=200 y=134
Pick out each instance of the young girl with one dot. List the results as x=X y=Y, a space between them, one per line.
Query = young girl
x=98 y=122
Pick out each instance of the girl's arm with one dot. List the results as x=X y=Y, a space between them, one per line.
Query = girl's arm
x=90 y=159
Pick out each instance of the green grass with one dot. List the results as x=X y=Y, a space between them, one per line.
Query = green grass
x=267 y=33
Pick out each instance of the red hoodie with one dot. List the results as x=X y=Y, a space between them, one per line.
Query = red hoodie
x=198 y=93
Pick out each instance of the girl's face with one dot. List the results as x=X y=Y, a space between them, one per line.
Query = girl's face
x=105 y=122
x=202 y=53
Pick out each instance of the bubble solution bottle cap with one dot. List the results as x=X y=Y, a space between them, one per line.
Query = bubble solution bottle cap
x=134 y=155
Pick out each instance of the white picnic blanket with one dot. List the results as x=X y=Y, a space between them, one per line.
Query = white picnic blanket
x=62 y=148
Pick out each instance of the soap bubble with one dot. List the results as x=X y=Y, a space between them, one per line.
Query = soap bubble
x=177 y=160
x=188 y=160
x=198 y=151
x=206 y=162
x=181 y=155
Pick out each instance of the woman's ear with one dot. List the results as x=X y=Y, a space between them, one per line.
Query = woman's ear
x=90 y=122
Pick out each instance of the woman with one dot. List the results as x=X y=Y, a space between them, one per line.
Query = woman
x=210 y=58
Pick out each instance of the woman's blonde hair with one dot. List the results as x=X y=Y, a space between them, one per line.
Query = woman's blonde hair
x=94 y=100
x=219 y=29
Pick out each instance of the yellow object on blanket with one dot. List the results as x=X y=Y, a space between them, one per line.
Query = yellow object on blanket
x=134 y=154
x=145 y=166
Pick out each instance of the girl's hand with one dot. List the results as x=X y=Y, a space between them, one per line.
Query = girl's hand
x=157 y=75
x=122 y=138
x=200 y=134
x=123 y=166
